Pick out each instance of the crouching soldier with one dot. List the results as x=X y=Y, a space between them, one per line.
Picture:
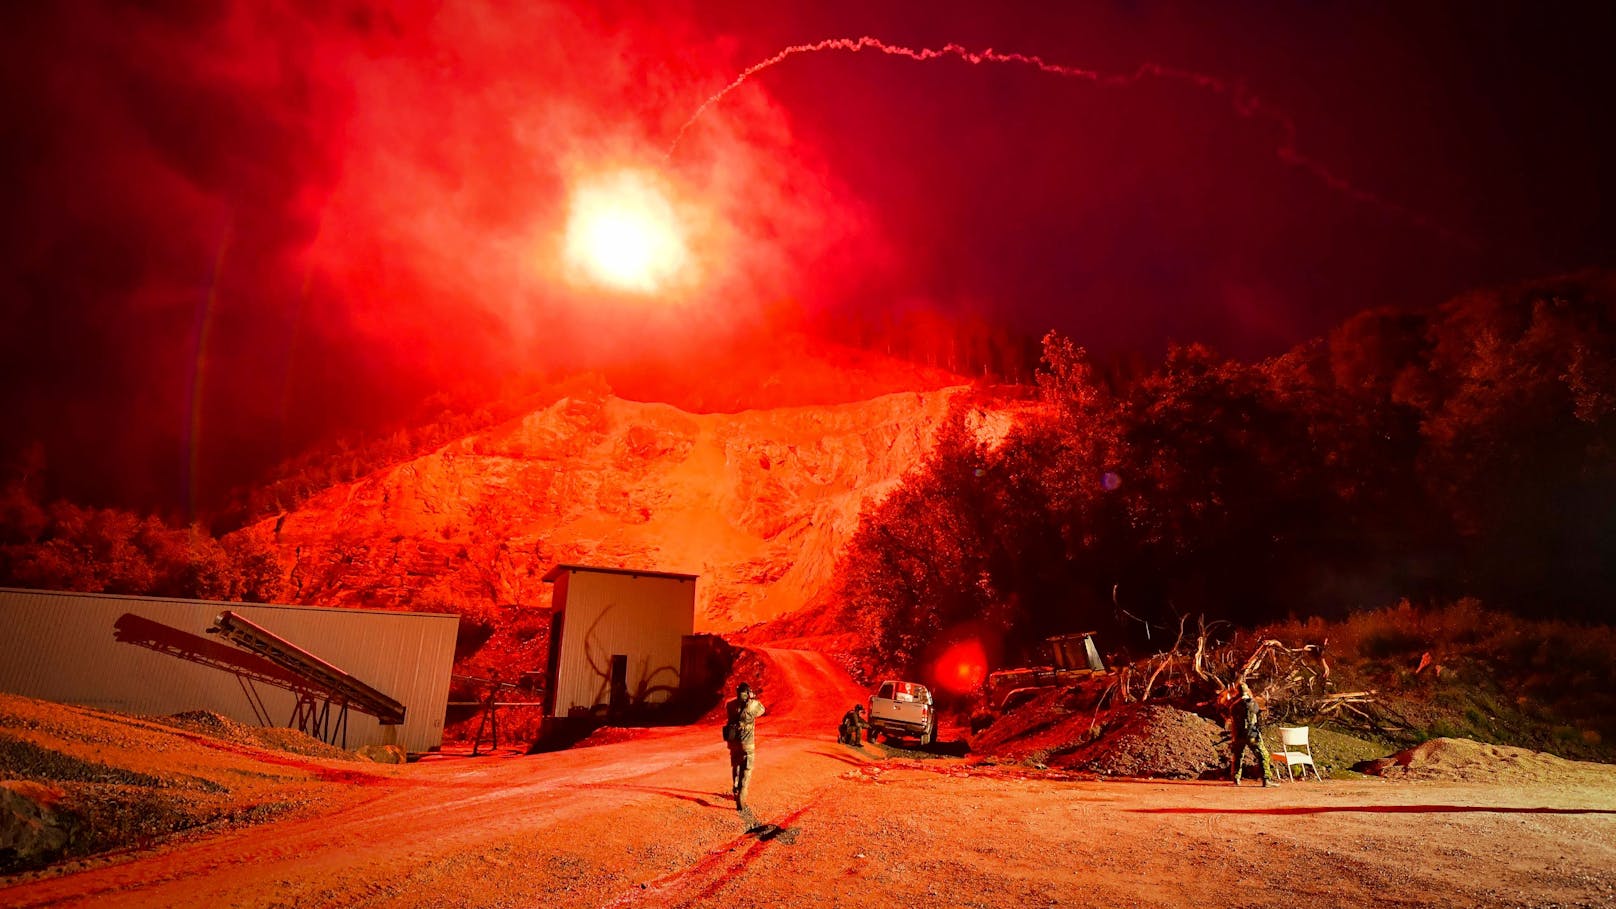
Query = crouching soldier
x=1245 y=732
x=740 y=732
x=852 y=722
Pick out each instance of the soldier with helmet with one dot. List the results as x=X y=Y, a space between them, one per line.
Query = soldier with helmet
x=852 y=722
x=1245 y=731
x=740 y=732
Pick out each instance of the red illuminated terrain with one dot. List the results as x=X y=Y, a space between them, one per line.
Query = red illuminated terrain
x=758 y=503
x=646 y=822
x=397 y=305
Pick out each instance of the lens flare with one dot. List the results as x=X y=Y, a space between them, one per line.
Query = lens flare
x=962 y=667
x=622 y=233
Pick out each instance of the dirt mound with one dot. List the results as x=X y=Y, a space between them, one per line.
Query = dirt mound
x=1055 y=729
x=766 y=681
x=1044 y=721
x=1467 y=761
x=276 y=738
x=1150 y=740
x=612 y=735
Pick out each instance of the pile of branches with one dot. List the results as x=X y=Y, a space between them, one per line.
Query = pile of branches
x=1292 y=683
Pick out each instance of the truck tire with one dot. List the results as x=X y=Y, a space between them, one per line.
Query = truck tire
x=929 y=736
x=872 y=734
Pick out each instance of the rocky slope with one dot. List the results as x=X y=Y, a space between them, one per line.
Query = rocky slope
x=758 y=503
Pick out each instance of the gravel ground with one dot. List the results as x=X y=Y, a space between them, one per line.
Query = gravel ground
x=647 y=822
x=78 y=782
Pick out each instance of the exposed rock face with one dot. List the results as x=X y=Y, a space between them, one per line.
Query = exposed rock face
x=758 y=503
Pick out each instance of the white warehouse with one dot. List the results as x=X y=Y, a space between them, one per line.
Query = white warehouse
x=350 y=676
x=616 y=638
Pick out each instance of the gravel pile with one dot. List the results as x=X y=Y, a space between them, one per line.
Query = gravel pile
x=1151 y=740
x=57 y=804
x=21 y=759
x=1055 y=728
x=76 y=781
x=276 y=738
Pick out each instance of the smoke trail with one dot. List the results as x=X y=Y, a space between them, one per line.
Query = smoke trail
x=1244 y=104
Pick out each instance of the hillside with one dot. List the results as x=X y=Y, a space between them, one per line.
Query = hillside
x=758 y=503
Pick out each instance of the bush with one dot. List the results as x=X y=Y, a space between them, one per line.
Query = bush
x=1494 y=676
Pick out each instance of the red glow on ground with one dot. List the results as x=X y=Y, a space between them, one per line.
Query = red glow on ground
x=962 y=667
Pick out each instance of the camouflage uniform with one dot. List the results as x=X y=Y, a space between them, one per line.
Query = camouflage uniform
x=1245 y=732
x=852 y=722
x=742 y=713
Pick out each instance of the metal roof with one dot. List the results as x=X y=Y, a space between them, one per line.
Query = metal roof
x=554 y=573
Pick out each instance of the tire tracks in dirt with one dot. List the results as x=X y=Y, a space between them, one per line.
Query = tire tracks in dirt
x=816 y=682
x=393 y=824
x=700 y=882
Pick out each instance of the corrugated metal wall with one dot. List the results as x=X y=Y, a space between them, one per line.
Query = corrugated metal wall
x=644 y=617
x=147 y=656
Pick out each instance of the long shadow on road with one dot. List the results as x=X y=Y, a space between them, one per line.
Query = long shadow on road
x=685 y=795
x=844 y=758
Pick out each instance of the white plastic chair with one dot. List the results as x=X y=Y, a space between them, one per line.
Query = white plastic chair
x=1295 y=750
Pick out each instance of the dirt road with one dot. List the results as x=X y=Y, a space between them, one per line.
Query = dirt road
x=648 y=822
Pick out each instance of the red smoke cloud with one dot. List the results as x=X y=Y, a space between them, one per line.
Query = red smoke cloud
x=234 y=228
x=463 y=145
x=266 y=222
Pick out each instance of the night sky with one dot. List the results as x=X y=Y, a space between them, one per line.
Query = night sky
x=233 y=230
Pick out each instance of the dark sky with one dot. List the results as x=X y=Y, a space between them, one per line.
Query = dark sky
x=233 y=229
x=1126 y=215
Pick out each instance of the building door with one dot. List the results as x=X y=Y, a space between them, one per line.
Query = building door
x=619 y=701
x=553 y=666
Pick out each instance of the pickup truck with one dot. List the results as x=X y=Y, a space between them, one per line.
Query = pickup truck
x=903 y=709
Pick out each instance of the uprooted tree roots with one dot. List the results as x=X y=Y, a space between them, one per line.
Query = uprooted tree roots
x=1292 y=683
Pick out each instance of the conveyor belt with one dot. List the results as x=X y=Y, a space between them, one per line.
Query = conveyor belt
x=342 y=686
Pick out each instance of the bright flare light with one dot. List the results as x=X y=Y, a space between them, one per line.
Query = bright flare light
x=621 y=232
x=962 y=667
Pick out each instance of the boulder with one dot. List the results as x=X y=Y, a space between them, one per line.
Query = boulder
x=382 y=754
x=33 y=831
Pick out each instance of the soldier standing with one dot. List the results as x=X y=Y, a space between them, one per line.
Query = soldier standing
x=740 y=733
x=1245 y=732
x=852 y=722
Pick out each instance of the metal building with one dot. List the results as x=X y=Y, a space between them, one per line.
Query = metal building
x=345 y=675
x=616 y=638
